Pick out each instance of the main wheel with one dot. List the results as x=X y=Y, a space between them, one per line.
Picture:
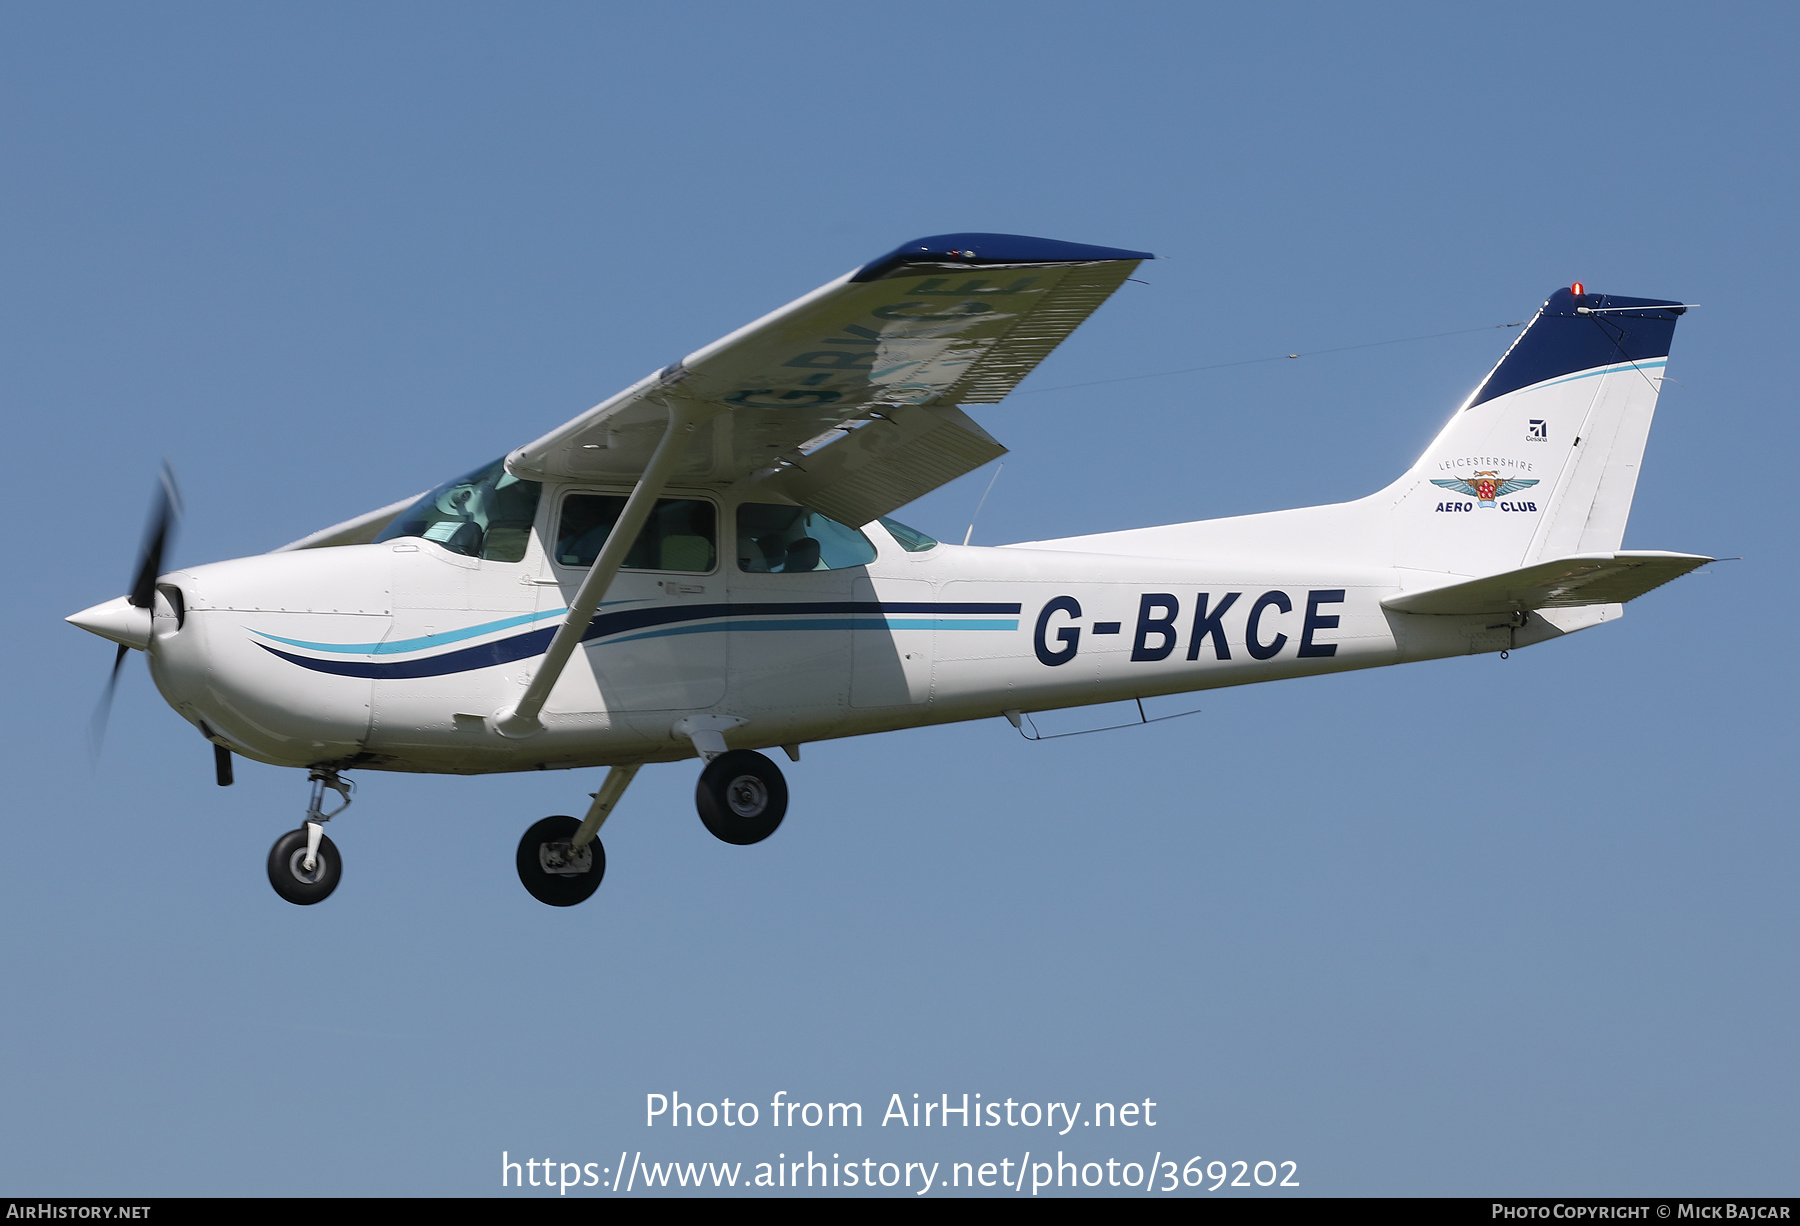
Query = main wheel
x=287 y=869
x=554 y=874
x=741 y=797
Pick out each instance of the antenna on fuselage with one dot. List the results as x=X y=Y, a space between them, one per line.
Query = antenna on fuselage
x=983 y=502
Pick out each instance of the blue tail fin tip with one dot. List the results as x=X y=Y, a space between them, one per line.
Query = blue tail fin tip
x=1564 y=339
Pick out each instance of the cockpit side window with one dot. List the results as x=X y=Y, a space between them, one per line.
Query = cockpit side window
x=786 y=540
x=681 y=533
x=486 y=514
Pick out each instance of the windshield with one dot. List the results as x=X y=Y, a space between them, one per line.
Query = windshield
x=486 y=514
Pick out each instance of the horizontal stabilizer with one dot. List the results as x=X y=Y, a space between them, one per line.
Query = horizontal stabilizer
x=1566 y=583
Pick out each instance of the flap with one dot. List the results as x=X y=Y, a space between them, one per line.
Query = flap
x=907 y=452
x=1566 y=583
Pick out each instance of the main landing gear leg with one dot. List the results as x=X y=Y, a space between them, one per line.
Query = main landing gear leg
x=304 y=865
x=561 y=861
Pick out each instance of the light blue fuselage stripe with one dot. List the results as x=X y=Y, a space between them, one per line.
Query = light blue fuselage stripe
x=827 y=623
x=428 y=640
x=418 y=644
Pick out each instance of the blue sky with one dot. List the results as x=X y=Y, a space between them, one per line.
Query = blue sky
x=1467 y=927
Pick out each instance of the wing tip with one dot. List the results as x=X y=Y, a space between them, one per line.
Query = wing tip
x=976 y=250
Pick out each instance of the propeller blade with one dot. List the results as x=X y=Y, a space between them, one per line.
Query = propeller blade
x=103 y=711
x=165 y=513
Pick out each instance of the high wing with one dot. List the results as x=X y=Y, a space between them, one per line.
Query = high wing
x=845 y=399
x=1566 y=583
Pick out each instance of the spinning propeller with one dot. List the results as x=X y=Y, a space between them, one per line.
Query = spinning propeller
x=128 y=625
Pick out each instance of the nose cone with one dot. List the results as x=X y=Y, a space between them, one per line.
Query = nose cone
x=118 y=620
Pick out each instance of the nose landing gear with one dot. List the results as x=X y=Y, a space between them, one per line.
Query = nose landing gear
x=304 y=865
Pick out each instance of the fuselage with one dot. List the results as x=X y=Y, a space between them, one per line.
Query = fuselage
x=773 y=624
x=394 y=655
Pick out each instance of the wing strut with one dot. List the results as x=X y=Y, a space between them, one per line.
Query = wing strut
x=521 y=719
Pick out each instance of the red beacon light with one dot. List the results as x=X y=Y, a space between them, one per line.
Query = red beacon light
x=1578 y=289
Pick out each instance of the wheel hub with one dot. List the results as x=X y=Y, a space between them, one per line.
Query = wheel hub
x=747 y=795
x=564 y=860
x=297 y=866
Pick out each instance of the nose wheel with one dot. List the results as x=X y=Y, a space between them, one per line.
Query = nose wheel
x=288 y=871
x=741 y=797
x=304 y=865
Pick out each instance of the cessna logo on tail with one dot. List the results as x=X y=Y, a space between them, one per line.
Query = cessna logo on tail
x=1486 y=487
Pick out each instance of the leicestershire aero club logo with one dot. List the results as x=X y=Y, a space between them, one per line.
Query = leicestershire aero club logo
x=1485 y=487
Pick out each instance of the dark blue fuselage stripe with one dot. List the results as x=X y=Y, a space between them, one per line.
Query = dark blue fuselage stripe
x=533 y=643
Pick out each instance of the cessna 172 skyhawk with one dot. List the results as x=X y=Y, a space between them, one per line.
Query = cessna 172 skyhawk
x=704 y=564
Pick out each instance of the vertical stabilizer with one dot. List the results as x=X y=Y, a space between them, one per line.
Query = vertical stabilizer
x=1542 y=461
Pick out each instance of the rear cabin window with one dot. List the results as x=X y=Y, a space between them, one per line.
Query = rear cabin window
x=681 y=534
x=784 y=540
x=910 y=539
x=486 y=514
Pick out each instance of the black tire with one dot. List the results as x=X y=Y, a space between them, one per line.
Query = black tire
x=557 y=889
x=292 y=881
x=741 y=797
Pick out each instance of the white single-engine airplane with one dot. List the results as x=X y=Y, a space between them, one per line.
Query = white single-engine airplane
x=704 y=564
